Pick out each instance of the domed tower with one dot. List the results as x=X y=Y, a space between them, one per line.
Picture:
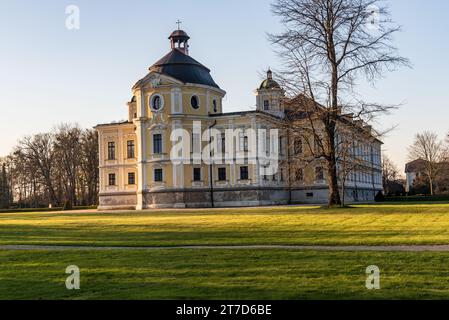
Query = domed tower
x=270 y=96
x=177 y=84
x=179 y=65
x=179 y=39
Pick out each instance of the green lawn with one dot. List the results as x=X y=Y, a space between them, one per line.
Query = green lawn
x=220 y=274
x=227 y=274
x=368 y=225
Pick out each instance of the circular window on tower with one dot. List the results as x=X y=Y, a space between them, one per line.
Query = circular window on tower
x=156 y=102
x=195 y=102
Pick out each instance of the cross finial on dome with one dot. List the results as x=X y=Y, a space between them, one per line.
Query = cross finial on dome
x=179 y=24
x=269 y=74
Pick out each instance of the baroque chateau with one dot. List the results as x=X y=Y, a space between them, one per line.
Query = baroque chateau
x=137 y=167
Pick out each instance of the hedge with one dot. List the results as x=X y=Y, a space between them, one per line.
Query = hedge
x=437 y=198
x=22 y=210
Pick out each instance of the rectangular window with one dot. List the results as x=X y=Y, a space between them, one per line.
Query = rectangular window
x=300 y=174
x=244 y=173
x=196 y=174
x=266 y=105
x=196 y=143
x=157 y=144
x=268 y=145
x=298 y=146
x=131 y=178
x=319 y=174
x=130 y=149
x=281 y=146
x=245 y=144
x=282 y=174
x=158 y=175
x=223 y=143
x=111 y=151
x=221 y=174
x=112 y=179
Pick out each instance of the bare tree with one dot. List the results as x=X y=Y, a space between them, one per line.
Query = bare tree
x=390 y=173
x=52 y=168
x=67 y=146
x=445 y=152
x=38 y=152
x=89 y=165
x=5 y=189
x=348 y=163
x=326 y=46
x=428 y=147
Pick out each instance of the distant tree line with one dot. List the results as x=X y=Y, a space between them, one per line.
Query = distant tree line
x=58 y=168
x=429 y=163
x=392 y=181
x=5 y=188
x=433 y=176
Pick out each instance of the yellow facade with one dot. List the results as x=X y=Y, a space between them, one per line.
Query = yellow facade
x=136 y=164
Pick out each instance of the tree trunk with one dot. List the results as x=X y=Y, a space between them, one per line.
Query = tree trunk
x=431 y=186
x=431 y=178
x=334 y=192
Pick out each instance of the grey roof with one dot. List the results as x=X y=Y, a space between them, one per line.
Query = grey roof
x=184 y=68
x=120 y=123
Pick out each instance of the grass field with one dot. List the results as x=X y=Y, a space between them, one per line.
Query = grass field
x=220 y=274
x=227 y=274
x=367 y=225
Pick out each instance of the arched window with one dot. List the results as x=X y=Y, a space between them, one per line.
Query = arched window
x=195 y=102
x=215 y=105
x=266 y=105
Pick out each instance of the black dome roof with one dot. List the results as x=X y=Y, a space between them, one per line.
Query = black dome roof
x=182 y=67
x=179 y=34
x=269 y=84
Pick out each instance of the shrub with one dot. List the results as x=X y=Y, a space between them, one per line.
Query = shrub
x=436 y=198
x=379 y=197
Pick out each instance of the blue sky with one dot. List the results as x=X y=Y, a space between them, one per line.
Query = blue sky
x=51 y=75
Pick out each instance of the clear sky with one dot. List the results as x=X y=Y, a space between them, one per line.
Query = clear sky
x=49 y=74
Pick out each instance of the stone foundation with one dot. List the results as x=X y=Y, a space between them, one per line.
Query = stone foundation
x=320 y=195
x=201 y=198
x=239 y=197
x=114 y=201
